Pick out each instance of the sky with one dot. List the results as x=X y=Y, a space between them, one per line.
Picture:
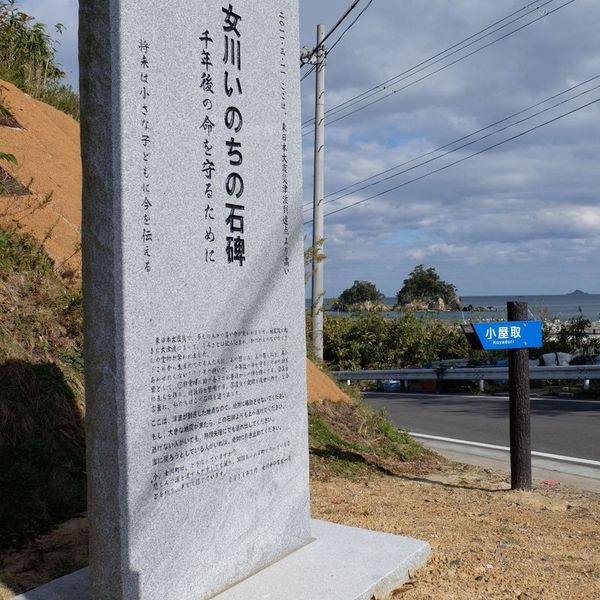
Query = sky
x=521 y=218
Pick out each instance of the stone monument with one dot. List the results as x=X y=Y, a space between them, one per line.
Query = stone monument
x=194 y=309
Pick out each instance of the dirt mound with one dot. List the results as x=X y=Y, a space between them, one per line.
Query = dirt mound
x=46 y=145
x=322 y=387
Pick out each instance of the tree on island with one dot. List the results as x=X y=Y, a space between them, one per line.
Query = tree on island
x=361 y=293
x=424 y=289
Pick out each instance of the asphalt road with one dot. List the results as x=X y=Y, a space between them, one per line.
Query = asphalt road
x=558 y=426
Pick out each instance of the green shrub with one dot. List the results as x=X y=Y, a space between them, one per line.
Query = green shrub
x=374 y=342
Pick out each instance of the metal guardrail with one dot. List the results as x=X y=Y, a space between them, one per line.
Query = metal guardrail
x=572 y=372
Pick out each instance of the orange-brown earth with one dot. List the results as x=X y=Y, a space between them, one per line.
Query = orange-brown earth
x=322 y=387
x=46 y=147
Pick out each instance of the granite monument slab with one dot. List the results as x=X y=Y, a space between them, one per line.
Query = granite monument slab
x=193 y=290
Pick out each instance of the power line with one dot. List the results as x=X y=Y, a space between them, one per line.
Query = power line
x=340 y=21
x=536 y=114
x=309 y=72
x=428 y=63
x=465 y=137
x=360 y=14
x=444 y=67
x=313 y=67
x=360 y=108
x=441 y=52
x=463 y=159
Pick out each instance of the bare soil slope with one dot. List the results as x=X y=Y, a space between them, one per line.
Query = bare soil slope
x=322 y=387
x=47 y=149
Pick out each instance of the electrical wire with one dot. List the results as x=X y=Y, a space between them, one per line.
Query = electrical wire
x=463 y=146
x=311 y=70
x=360 y=108
x=461 y=160
x=440 y=53
x=340 y=21
x=403 y=76
x=341 y=108
x=360 y=14
x=460 y=139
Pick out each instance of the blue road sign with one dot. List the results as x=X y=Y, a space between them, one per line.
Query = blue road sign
x=509 y=335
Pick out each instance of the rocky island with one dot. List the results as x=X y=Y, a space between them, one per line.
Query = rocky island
x=423 y=289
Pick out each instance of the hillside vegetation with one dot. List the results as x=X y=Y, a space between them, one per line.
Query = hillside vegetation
x=361 y=296
x=28 y=58
x=46 y=199
x=42 y=453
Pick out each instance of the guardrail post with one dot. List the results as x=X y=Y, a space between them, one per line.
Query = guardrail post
x=482 y=385
x=586 y=385
x=520 y=416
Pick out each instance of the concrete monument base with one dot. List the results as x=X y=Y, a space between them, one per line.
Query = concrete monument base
x=341 y=563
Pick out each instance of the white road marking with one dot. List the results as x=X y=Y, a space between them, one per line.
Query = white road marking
x=399 y=395
x=568 y=459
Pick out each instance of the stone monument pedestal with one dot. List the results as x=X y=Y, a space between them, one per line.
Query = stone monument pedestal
x=340 y=563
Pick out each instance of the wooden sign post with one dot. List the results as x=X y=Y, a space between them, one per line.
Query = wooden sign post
x=519 y=408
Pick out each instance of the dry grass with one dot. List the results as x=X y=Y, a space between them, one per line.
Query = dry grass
x=488 y=543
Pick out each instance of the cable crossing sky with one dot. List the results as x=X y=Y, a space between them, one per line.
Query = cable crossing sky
x=461 y=160
x=465 y=137
x=427 y=64
x=360 y=14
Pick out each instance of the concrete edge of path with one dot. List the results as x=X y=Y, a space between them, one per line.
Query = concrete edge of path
x=578 y=472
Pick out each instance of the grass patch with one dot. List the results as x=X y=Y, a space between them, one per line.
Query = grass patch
x=351 y=440
x=7 y=119
x=42 y=451
x=9 y=186
x=23 y=254
x=62 y=97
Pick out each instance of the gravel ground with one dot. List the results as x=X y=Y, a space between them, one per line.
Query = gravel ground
x=488 y=542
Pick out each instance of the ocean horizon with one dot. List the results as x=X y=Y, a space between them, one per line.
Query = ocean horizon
x=558 y=306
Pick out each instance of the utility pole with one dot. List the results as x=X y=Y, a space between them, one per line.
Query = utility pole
x=318 y=239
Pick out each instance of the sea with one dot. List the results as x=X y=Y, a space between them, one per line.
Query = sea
x=562 y=307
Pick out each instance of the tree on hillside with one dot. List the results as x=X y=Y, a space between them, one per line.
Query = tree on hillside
x=28 y=58
x=27 y=51
x=360 y=292
x=425 y=285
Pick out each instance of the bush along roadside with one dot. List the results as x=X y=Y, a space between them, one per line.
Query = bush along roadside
x=374 y=342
